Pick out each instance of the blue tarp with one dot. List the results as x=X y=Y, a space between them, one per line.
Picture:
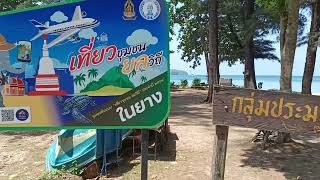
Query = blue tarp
x=82 y=146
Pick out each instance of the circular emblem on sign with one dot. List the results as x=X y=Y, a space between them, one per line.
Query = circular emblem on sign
x=150 y=9
x=22 y=115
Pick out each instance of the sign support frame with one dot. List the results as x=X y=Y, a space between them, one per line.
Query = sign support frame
x=220 y=143
x=144 y=153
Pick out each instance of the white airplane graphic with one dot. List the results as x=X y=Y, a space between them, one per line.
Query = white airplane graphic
x=66 y=30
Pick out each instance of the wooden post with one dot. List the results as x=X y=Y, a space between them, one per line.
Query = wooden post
x=144 y=153
x=219 y=152
x=220 y=142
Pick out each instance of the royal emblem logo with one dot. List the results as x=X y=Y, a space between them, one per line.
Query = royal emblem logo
x=22 y=115
x=129 y=12
x=150 y=9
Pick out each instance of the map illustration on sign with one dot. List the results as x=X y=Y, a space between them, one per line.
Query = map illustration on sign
x=85 y=64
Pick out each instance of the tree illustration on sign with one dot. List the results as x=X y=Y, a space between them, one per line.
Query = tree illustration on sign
x=133 y=73
x=93 y=74
x=143 y=79
x=80 y=79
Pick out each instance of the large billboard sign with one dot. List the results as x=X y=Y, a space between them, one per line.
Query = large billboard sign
x=85 y=64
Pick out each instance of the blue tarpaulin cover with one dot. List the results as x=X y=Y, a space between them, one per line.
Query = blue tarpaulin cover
x=82 y=146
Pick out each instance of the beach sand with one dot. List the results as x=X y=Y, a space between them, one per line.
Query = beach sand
x=187 y=155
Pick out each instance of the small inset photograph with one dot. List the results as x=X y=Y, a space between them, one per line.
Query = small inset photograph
x=24 y=51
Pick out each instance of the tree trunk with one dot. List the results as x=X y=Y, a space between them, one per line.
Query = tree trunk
x=249 y=72
x=312 y=49
x=213 y=47
x=211 y=84
x=213 y=40
x=289 y=46
x=283 y=29
x=210 y=80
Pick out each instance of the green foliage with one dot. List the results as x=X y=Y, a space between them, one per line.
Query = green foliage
x=10 y=5
x=74 y=169
x=173 y=85
x=279 y=8
x=184 y=83
x=275 y=7
x=53 y=175
x=7 y=5
x=62 y=173
x=196 y=82
x=189 y=18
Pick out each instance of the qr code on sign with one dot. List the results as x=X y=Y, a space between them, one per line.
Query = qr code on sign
x=7 y=115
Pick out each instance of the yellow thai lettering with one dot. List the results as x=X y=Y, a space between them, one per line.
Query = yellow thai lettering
x=311 y=115
x=290 y=107
x=237 y=101
x=263 y=109
x=277 y=107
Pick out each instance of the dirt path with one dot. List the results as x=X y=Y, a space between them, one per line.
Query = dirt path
x=188 y=154
x=22 y=153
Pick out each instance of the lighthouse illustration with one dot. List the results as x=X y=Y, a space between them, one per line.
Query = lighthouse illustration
x=47 y=81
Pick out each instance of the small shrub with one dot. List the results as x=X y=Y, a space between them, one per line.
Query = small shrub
x=74 y=169
x=196 y=83
x=184 y=83
x=260 y=84
x=60 y=174
x=53 y=175
x=173 y=85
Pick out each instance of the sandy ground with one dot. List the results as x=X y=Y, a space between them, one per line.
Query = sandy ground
x=187 y=155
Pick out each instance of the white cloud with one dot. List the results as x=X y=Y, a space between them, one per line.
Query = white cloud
x=59 y=17
x=58 y=64
x=87 y=33
x=141 y=36
x=30 y=70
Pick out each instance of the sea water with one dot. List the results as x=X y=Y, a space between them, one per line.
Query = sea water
x=269 y=82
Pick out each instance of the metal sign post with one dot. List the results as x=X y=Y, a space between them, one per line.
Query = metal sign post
x=144 y=154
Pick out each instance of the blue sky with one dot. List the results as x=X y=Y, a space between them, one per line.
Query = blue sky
x=263 y=67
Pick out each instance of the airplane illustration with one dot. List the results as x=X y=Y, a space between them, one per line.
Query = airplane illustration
x=66 y=30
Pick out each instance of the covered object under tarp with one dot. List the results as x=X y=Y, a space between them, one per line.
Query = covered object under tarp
x=82 y=146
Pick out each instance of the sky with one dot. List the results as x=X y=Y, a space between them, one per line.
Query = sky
x=263 y=67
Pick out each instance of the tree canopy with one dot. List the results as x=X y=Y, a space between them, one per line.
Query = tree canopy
x=14 y=4
x=190 y=18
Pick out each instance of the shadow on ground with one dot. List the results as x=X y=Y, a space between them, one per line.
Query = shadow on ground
x=191 y=109
x=129 y=164
x=295 y=160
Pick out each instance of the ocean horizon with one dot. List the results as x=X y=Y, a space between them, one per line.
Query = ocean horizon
x=269 y=81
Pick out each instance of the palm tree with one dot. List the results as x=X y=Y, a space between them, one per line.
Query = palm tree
x=80 y=79
x=93 y=74
x=144 y=79
x=119 y=68
x=133 y=73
